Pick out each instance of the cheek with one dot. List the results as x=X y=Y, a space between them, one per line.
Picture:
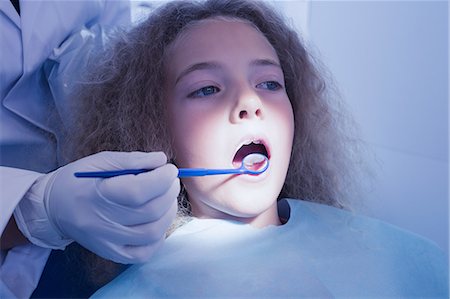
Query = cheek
x=288 y=116
x=196 y=133
x=290 y=128
x=283 y=120
x=289 y=113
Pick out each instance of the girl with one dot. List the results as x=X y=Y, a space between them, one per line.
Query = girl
x=209 y=83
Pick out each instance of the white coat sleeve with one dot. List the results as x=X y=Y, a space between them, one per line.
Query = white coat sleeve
x=21 y=268
x=42 y=27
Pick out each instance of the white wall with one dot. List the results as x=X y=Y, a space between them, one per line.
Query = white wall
x=390 y=60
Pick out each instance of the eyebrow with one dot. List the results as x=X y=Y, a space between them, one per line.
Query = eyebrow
x=214 y=66
x=265 y=62
x=197 y=67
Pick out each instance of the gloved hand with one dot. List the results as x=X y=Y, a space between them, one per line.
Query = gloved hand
x=123 y=218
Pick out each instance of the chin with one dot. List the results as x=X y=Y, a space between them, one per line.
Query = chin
x=235 y=197
x=246 y=203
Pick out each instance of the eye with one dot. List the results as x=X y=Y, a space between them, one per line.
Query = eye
x=269 y=85
x=204 y=92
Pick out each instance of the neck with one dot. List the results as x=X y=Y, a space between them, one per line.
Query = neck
x=265 y=218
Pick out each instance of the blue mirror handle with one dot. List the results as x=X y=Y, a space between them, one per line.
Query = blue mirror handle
x=190 y=172
x=182 y=172
x=109 y=174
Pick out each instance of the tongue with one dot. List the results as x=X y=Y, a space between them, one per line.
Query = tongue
x=255 y=163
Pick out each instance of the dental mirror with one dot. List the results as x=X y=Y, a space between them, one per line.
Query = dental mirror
x=253 y=164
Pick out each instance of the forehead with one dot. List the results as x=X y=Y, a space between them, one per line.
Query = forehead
x=219 y=38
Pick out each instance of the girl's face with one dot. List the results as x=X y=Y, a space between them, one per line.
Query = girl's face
x=226 y=98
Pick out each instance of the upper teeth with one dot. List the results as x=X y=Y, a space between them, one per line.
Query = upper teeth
x=252 y=141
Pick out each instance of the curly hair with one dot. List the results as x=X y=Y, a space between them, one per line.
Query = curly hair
x=121 y=103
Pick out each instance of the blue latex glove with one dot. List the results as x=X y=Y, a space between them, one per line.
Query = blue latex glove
x=123 y=219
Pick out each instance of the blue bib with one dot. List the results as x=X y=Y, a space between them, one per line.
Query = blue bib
x=320 y=252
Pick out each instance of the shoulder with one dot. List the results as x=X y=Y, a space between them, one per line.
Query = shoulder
x=390 y=259
x=334 y=219
x=381 y=258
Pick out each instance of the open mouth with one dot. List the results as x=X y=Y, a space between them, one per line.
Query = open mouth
x=253 y=147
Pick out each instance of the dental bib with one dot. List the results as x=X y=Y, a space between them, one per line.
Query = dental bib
x=320 y=252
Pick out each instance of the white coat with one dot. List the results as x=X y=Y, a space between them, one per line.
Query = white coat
x=31 y=117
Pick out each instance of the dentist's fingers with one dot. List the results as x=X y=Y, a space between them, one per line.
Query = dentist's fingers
x=109 y=160
x=110 y=216
x=150 y=211
x=137 y=243
x=136 y=190
x=149 y=233
x=131 y=254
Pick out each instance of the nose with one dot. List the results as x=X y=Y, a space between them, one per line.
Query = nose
x=247 y=106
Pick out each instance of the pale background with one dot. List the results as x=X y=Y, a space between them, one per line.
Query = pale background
x=390 y=62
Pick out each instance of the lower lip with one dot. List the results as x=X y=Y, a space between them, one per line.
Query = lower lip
x=255 y=177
